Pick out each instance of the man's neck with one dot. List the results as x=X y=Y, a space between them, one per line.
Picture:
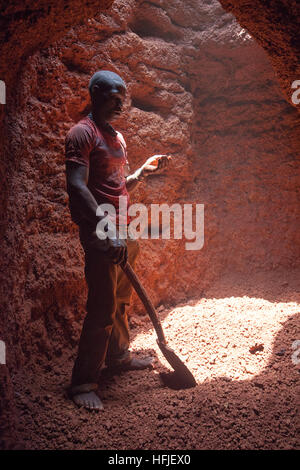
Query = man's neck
x=104 y=125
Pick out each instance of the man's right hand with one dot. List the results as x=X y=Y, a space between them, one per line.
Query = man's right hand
x=114 y=248
x=117 y=250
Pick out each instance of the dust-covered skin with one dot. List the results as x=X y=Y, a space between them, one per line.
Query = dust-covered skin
x=89 y=400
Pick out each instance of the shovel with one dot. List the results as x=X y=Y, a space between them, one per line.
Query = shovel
x=181 y=377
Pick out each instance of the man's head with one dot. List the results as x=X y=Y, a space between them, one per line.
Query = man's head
x=107 y=90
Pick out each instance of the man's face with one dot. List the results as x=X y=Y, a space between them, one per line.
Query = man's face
x=110 y=102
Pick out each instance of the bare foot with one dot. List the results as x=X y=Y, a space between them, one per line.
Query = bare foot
x=89 y=400
x=134 y=363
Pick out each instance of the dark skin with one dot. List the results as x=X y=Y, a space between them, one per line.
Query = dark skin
x=105 y=107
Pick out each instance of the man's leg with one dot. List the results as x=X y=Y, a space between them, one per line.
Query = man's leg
x=118 y=354
x=101 y=277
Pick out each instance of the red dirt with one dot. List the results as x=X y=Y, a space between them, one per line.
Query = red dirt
x=241 y=401
x=199 y=88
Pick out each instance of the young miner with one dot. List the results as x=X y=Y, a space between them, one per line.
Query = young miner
x=96 y=163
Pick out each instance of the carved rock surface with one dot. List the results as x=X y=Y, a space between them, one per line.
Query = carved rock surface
x=275 y=26
x=25 y=27
x=199 y=88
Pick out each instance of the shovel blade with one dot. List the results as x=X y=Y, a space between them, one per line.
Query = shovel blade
x=184 y=377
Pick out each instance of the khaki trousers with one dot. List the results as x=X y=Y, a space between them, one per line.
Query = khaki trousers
x=105 y=334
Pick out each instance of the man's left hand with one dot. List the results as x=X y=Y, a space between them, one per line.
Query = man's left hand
x=155 y=163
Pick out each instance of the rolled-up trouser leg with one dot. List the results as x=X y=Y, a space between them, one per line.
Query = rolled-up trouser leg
x=101 y=277
x=119 y=339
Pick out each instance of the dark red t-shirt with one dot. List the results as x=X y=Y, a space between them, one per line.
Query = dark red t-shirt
x=103 y=151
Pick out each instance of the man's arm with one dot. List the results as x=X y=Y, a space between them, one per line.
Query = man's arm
x=77 y=178
x=132 y=181
x=157 y=162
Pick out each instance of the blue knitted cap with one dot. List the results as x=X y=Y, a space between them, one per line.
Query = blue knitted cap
x=105 y=79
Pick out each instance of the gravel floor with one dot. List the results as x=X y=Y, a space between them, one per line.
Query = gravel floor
x=237 y=340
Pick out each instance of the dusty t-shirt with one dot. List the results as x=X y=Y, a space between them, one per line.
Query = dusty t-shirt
x=103 y=151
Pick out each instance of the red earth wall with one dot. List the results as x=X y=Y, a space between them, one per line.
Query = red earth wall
x=199 y=88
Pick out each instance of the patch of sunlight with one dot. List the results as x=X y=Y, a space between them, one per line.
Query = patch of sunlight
x=214 y=337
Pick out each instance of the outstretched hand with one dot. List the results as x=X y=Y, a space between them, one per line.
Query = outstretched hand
x=155 y=163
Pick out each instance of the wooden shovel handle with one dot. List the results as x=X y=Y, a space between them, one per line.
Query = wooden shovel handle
x=145 y=300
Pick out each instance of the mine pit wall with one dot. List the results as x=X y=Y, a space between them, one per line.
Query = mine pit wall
x=199 y=88
x=26 y=26
x=275 y=26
